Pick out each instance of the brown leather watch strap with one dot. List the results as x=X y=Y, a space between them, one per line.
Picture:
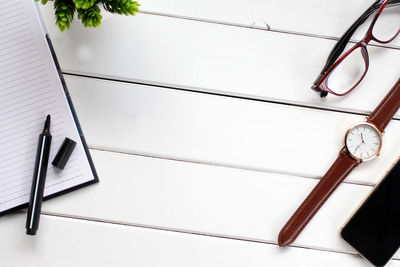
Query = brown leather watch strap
x=343 y=165
x=385 y=111
x=337 y=173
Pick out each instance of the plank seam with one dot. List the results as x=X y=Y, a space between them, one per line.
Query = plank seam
x=160 y=157
x=189 y=232
x=213 y=92
x=253 y=26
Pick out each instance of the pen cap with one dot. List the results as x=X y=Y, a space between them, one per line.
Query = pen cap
x=64 y=153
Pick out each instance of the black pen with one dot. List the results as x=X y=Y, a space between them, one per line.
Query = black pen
x=39 y=179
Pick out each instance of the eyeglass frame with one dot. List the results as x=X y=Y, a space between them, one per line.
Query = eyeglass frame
x=320 y=84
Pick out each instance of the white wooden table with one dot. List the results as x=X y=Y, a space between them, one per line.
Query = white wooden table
x=206 y=137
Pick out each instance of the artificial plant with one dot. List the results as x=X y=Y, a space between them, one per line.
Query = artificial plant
x=88 y=11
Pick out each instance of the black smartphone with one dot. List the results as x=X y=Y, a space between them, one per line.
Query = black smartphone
x=374 y=229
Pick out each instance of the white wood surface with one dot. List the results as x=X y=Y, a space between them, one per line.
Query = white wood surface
x=323 y=18
x=220 y=130
x=69 y=242
x=205 y=199
x=203 y=164
x=231 y=60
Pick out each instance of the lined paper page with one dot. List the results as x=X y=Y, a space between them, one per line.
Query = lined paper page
x=29 y=90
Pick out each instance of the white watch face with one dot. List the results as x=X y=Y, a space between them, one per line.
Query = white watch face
x=363 y=141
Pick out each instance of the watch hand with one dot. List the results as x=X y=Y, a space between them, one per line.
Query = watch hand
x=357 y=148
x=339 y=170
x=362 y=138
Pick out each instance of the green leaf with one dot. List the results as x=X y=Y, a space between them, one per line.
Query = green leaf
x=64 y=12
x=122 y=7
x=84 y=4
x=88 y=10
x=90 y=17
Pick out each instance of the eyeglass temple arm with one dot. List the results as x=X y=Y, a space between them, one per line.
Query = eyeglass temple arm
x=341 y=44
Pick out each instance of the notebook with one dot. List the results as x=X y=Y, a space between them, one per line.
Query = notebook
x=32 y=86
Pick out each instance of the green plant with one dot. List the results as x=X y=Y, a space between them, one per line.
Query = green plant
x=88 y=11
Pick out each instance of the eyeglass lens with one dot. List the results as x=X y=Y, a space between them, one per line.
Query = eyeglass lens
x=348 y=73
x=388 y=23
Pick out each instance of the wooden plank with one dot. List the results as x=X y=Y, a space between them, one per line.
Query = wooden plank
x=231 y=60
x=220 y=130
x=320 y=17
x=157 y=122
x=207 y=199
x=68 y=242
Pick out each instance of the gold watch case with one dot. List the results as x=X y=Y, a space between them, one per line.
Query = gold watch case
x=380 y=134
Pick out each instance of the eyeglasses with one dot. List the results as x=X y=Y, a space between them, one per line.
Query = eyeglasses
x=341 y=75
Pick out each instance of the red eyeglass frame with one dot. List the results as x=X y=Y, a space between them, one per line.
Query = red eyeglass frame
x=363 y=46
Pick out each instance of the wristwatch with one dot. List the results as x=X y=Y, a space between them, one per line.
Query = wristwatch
x=363 y=141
